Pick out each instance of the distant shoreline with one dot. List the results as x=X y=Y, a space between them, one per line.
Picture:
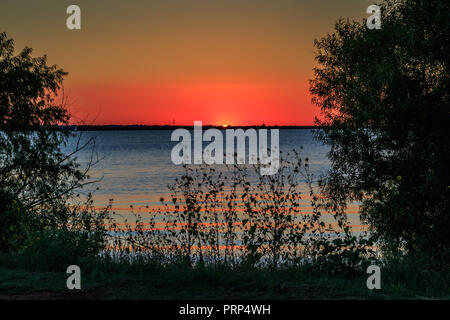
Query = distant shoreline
x=167 y=127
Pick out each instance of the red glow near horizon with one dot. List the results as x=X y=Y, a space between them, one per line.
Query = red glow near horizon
x=156 y=62
x=217 y=104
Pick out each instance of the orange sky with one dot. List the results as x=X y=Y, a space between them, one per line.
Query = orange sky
x=238 y=62
x=213 y=103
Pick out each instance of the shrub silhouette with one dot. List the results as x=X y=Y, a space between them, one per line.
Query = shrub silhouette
x=238 y=218
x=385 y=113
x=38 y=181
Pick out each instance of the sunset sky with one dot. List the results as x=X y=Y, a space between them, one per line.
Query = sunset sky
x=238 y=62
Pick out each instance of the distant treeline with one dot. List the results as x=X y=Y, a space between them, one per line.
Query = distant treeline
x=168 y=127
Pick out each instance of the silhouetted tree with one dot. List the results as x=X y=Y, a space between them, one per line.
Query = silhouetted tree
x=384 y=97
x=35 y=174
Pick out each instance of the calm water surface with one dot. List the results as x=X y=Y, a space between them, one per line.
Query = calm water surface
x=135 y=166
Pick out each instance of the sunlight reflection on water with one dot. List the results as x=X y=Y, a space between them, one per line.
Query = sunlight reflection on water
x=136 y=167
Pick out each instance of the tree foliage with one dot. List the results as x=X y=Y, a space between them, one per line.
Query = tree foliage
x=384 y=97
x=37 y=178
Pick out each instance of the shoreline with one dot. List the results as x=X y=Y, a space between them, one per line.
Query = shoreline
x=170 y=127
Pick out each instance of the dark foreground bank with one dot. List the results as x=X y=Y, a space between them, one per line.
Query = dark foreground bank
x=198 y=284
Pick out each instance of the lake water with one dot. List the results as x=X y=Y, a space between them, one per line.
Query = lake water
x=136 y=166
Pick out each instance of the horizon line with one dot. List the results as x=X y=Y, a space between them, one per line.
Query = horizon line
x=167 y=126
